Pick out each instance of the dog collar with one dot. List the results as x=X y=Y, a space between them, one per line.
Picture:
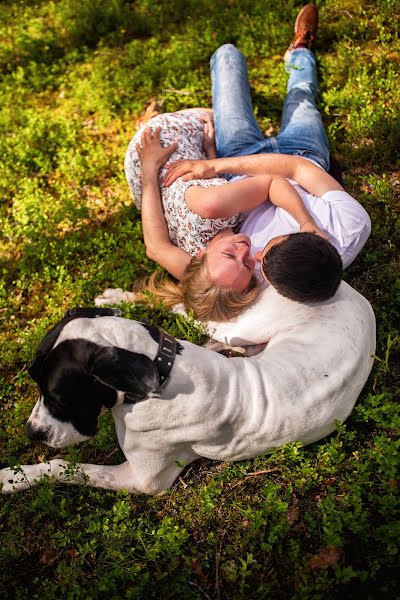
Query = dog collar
x=93 y=313
x=164 y=360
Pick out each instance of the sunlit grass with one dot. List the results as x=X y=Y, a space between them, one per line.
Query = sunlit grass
x=74 y=76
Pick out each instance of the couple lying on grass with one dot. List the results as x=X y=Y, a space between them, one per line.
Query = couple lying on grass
x=227 y=217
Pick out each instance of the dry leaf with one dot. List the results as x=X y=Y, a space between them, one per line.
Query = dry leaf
x=326 y=557
x=48 y=557
x=293 y=512
x=151 y=110
x=196 y=566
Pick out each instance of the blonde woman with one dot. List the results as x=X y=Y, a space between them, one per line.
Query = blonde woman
x=189 y=228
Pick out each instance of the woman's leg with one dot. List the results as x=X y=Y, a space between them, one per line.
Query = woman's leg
x=237 y=131
x=302 y=131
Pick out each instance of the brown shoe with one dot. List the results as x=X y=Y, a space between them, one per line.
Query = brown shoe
x=305 y=28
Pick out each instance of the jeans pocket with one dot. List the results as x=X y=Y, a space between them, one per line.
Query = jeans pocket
x=315 y=157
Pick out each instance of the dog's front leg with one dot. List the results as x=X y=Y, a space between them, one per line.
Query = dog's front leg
x=115 y=477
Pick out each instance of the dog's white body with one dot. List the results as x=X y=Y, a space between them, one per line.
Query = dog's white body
x=310 y=374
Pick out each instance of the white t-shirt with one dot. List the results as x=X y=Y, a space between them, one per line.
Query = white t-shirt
x=337 y=213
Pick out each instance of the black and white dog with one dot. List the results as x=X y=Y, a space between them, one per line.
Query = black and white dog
x=173 y=402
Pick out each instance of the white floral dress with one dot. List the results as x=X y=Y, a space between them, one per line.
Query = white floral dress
x=186 y=229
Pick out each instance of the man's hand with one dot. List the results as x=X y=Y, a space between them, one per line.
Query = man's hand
x=151 y=153
x=188 y=170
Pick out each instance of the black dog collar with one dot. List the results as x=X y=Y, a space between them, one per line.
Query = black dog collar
x=164 y=360
x=165 y=357
x=93 y=313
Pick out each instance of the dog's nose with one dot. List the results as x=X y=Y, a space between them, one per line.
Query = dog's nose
x=35 y=433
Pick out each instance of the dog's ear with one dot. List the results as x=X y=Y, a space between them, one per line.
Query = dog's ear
x=36 y=368
x=46 y=345
x=125 y=371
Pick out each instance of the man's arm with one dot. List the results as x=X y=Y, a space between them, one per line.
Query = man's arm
x=312 y=178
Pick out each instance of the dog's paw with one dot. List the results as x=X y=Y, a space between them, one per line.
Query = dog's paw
x=114 y=296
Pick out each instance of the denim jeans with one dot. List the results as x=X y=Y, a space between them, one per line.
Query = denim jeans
x=237 y=132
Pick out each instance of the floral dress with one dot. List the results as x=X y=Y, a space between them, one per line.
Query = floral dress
x=186 y=229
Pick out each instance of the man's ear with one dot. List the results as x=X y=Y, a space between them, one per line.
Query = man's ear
x=259 y=257
x=135 y=374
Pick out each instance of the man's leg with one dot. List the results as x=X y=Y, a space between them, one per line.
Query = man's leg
x=302 y=131
x=237 y=131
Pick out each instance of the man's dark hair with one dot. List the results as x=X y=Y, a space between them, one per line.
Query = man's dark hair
x=304 y=267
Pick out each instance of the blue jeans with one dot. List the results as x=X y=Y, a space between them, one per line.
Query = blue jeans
x=237 y=132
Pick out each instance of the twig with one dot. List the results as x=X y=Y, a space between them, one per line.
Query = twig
x=183 y=482
x=19 y=372
x=342 y=10
x=217 y=568
x=178 y=92
x=110 y=454
x=254 y=474
x=199 y=588
x=261 y=472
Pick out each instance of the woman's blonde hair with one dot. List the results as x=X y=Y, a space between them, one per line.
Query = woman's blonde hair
x=209 y=301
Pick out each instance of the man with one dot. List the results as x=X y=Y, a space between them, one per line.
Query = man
x=301 y=265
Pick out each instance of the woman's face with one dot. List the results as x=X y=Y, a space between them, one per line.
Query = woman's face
x=229 y=262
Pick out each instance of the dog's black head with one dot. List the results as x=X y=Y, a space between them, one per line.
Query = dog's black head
x=77 y=378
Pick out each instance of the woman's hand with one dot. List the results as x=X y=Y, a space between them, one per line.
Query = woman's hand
x=209 y=135
x=151 y=153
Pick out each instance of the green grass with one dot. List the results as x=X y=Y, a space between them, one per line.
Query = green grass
x=74 y=75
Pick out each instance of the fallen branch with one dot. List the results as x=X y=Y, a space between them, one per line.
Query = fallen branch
x=261 y=472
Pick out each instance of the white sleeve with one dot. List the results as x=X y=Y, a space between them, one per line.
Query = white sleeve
x=351 y=225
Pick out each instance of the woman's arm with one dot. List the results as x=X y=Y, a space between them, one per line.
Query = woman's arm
x=241 y=196
x=155 y=231
x=312 y=178
x=221 y=201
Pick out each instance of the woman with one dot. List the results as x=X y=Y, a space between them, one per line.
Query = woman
x=189 y=227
